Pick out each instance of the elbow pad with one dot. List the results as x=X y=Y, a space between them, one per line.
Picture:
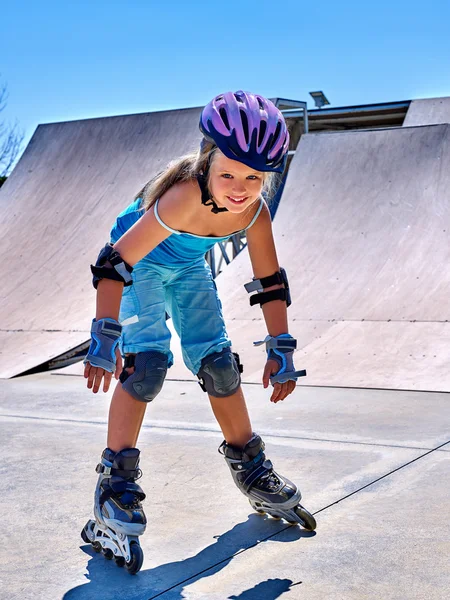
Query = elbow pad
x=118 y=271
x=258 y=285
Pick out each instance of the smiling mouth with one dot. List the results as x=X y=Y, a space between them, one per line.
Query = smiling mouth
x=237 y=200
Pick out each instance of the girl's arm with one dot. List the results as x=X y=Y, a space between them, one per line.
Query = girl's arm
x=137 y=242
x=263 y=256
x=264 y=260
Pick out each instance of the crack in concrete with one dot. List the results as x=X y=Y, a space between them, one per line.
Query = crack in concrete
x=203 y=429
x=277 y=533
x=307 y=534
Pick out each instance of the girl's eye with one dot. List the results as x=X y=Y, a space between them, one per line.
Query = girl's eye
x=229 y=176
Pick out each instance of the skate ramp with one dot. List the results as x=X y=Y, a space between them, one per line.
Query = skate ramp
x=431 y=111
x=57 y=208
x=363 y=233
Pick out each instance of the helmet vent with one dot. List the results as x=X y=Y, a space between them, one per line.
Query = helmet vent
x=245 y=126
x=262 y=132
x=277 y=134
x=223 y=114
x=261 y=105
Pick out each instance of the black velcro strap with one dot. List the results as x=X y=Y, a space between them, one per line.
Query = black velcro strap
x=105 y=273
x=130 y=360
x=275 y=279
x=265 y=282
x=263 y=297
x=118 y=271
x=240 y=366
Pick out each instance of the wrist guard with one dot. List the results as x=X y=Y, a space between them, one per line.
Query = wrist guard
x=281 y=349
x=105 y=337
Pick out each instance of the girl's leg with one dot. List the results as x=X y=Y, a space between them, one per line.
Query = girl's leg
x=232 y=415
x=125 y=419
x=143 y=304
x=197 y=316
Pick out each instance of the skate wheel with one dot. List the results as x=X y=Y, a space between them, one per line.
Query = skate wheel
x=84 y=536
x=84 y=532
x=256 y=508
x=137 y=558
x=119 y=560
x=306 y=520
x=108 y=553
x=97 y=546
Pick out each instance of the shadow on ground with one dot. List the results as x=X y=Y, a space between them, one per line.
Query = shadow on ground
x=168 y=581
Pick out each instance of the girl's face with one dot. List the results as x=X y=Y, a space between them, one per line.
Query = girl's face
x=234 y=185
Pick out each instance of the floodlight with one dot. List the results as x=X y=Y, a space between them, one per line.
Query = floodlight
x=319 y=99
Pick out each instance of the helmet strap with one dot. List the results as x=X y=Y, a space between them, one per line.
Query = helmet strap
x=206 y=196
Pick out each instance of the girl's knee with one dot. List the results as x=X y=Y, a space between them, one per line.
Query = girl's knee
x=148 y=371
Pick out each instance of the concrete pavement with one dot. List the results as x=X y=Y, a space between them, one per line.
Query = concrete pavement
x=373 y=465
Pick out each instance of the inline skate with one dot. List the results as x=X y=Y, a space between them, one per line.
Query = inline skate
x=119 y=517
x=267 y=491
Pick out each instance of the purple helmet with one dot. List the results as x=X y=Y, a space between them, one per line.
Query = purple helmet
x=248 y=128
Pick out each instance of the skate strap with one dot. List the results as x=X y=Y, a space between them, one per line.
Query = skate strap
x=114 y=472
x=116 y=488
x=259 y=458
x=120 y=486
x=239 y=464
x=256 y=474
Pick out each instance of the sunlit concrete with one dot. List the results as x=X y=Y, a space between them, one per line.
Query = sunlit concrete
x=372 y=465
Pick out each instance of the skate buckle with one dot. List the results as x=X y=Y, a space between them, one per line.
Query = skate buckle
x=103 y=469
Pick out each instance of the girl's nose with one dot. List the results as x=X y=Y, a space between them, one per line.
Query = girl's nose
x=239 y=189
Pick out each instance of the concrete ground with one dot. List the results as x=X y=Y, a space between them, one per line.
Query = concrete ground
x=373 y=466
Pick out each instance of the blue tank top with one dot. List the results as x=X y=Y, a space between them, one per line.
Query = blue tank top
x=177 y=249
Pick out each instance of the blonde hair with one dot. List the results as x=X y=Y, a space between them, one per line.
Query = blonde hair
x=186 y=168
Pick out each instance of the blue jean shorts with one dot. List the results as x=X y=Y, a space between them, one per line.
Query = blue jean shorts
x=189 y=295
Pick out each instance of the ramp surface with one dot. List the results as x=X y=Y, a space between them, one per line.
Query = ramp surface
x=431 y=111
x=56 y=212
x=363 y=232
x=362 y=229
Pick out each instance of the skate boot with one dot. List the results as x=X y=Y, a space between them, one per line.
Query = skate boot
x=267 y=491
x=119 y=517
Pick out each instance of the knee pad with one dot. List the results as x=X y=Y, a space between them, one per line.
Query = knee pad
x=220 y=373
x=150 y=370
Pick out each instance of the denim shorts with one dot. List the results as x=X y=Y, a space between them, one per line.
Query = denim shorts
x=189 y=295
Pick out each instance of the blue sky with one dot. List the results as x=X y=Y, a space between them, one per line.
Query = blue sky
x=64 y=61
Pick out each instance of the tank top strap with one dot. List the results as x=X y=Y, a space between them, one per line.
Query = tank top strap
x=161 y=222
x=261 y=204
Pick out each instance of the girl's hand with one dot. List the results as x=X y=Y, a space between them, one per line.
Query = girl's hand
x=280 y=390
x=94 y=375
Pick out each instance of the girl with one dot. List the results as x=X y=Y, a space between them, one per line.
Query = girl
x=155 y=264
